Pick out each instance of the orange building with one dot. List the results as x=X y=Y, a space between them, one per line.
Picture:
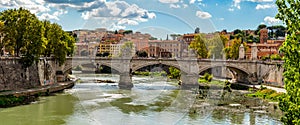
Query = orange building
x=265 y=47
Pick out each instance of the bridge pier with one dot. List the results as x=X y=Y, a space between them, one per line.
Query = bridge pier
x=189 y=81
x=125 y=81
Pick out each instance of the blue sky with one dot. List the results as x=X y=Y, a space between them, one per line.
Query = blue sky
x=157 y=17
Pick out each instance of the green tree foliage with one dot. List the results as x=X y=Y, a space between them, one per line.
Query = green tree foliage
x=277 y=31
x=261 y=26
x=275 y=57
x=237 y=31
x=58 y=42
x=141 y=54
x=208 y=77
x=127 y=49
x=29 y=38
x=216 y=45
x=174 y=73
x=232 y=52
x=127 y=32
x=17 y=28
x=199 y=45
x=2 y=43
x=288 y=12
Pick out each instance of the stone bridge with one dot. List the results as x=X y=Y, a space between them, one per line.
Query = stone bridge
x=247 y=71
x=47 y=71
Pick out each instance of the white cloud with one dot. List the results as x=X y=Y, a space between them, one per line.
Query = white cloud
x=38 y=7
x=231 y=9
x=119 y=9
x=127 y=22
x=54 y=16
x=265 y=6
x=203 y=15
x=169 y=1
x=118 y=14
x=236 y=3
x=185 y=5
x=271 y=20
x=221 y=19
x=34 y=6
x=47 y=16
x=174 y=6
x=192 y=1
x=261 y=0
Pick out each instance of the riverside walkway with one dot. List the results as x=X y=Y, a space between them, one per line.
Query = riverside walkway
x=44 y=90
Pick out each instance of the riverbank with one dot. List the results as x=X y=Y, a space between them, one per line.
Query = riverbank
x=15 y=98
x=240 y=98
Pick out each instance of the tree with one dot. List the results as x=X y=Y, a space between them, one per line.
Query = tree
x=127 y=49
x=174 y=73
x=18 y=24
x=232 y=52
x=141 y=53
x=127 y=32
x=237 y=31
x=34 y=43
x=288 y=12
x=198 y=44
x=261 y=26
x=58 y=42
x=23 y=34
x=216 y=45
x=29 y=38
x=2 y=35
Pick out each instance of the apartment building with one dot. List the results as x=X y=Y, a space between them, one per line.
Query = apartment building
x=165 y=48
x=141 y=41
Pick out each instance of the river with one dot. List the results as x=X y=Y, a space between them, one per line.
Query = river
x=153 y=101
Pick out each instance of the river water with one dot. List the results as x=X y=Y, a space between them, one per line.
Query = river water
x=153 y=101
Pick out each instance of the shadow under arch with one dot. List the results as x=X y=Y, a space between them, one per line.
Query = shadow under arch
x=92 y=67
x=237 y=74
x=175 y=64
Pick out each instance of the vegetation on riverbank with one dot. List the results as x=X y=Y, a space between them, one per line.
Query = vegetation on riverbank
x=174 y=73
x=207 y=78
x=11 y=100
x=268 y=94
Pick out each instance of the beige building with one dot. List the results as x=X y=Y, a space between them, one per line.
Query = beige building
x=165 y=48
x=114 y=50
x=141 y=41
x=107 y=47
x=90 y=35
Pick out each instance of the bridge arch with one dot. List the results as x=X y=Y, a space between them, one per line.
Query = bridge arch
x=137 y=66
x=202 y=69
x=238 y=73
x=70 y=64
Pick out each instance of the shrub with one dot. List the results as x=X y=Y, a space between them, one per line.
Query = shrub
x=275 y=57
x=267 y=91
x=264 y=58
x=208 y=77
x=276 y=96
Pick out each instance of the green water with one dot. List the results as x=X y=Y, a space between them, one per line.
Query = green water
x=153 y=101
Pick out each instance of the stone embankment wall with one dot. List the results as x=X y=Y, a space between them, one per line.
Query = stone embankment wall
x=15 y=77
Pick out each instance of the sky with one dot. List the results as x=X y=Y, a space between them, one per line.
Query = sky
x=157 y=17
